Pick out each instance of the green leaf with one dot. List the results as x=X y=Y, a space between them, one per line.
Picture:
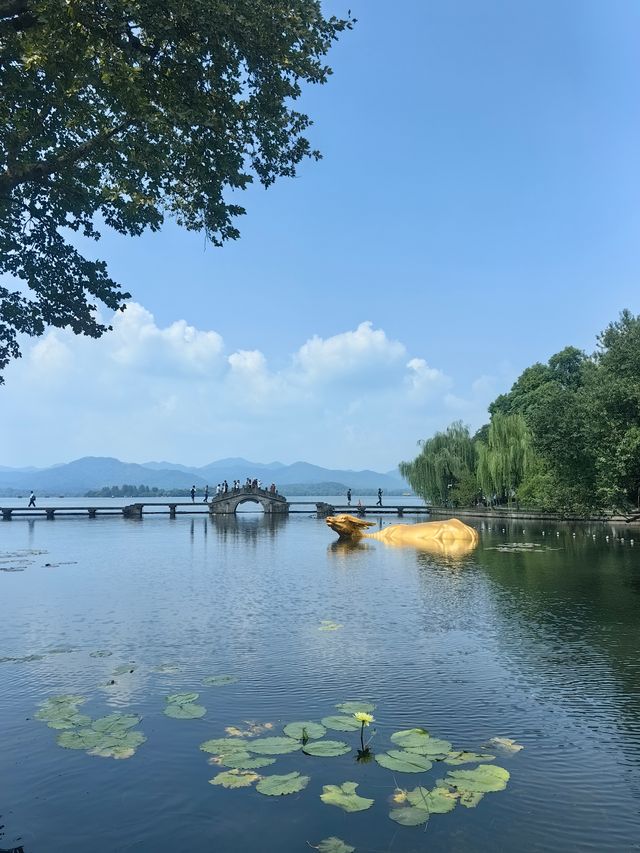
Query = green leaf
x=334 y=845
x=80 y=739
x=113 y=751
x=115 y=722
x=407 y=738
x=344 y=796
x=470 y=799
x=101 y=653
x=327 y=625
x=72 y=722
x=245 y=761
x=354 y=705
x=480 y=780
x=219 y=680
x=438 y=801
x=273 y=745
x=467 y=757
x=185 y=712
x=431 y=747
x=403 y=762
x=326 y=748
x=409 y=816
x=167 y=668
x=341 y=724
x=274 y=786
x=235 y=779
x=505 y=743
x=224 y=744
x=182 y=698
x=298 y=730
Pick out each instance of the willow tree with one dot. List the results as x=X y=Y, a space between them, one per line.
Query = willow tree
x=505 y=458
x=445 y=463
x=125 y=111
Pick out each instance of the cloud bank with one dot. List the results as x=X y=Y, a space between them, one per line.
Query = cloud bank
x=355 y=399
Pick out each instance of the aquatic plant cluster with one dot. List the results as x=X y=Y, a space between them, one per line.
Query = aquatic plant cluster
x=411 y=751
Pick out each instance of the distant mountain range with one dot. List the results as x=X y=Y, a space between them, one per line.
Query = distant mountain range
x=94 y=472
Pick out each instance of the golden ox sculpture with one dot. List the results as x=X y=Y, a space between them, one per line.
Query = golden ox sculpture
x=449 y=537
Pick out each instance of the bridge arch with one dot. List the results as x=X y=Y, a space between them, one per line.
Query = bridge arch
x=227 y=504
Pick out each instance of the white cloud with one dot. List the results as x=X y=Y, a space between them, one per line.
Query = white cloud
x=354 y=399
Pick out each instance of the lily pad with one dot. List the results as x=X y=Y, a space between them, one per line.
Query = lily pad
x=80 y=739
x=467 y=757
x=304 y=731
x=341 y=724
x=409 y=816
x=354 y=705
x=72 y=722
x=115 y=723
x=273 y=745
x=334 y=845
x=219 y=680
x=344 y=796
x=328 y=625
x=114 y=751
x=124 y=669
x=235 y=779
x=470 y=799
x=437 y=801
x=403 y=762
x=326 y=748
x=100 y=653
x=432 y=747
x=505 y=744
x=182 y=698
x=224 y=744
x=410 y=738
x=480 y=780
x=188 y=711
x=167 y=668
x=245 y=761
x=275 y=786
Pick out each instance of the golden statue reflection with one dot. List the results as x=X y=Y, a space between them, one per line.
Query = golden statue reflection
x=447 y=538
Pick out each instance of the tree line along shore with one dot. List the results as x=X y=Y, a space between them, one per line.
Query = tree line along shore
x=564 y=439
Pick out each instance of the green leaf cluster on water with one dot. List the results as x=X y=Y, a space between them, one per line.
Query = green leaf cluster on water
x=182 y=706
x=411 y=751
x=108 y=737
x=565 y=438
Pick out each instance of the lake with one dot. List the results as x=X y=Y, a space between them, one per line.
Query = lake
x=533 y=637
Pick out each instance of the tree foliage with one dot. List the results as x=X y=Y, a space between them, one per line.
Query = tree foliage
x=566 y=437
x=127 y=111
x=446 y=461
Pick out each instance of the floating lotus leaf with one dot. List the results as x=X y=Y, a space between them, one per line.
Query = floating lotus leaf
x=72 y=722
x=124 y=669
x=438 y=801
x=224 y=744
x=245 y=761
x=353 y=706
x=117 y=752
x=275 y=786
x=167 y=668
x=409 y=816
x=273 y=745
x=505 y=743
x=403 y=762
x=115 y=723
x=219 y=680
x=470 y=799
x=334 y=845
x=298 y=731
x=326 y=748
x=66 y=699
x=60 y=650
x=253 y=729
x=235 y=779
x=344 y=796
x=182 y=698
x=341 y=724
x=411 y=738
x=467 y=757
x=432 y=747
x=189 y=711
x=80 y=739
x=101 y=653
x=480 y=780
x=122 y=739
x=328 y=625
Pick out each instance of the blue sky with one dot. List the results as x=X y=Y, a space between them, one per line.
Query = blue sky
x=477 y=203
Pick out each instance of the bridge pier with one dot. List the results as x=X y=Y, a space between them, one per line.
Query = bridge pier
x=50 y=514
x=6 y=514
x=132 y=511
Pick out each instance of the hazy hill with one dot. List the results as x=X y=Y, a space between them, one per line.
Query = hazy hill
x=94 y=472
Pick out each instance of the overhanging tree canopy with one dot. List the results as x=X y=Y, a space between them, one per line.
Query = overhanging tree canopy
x=130 y=110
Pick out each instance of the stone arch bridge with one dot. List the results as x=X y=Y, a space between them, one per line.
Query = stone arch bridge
x=228 y=502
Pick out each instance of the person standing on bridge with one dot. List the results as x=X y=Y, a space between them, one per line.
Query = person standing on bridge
x=348 y=497
x=193 y=494
x=32 y=500
x=206 y=494
x=379 y=497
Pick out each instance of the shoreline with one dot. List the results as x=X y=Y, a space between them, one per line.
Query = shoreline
x=531 y=515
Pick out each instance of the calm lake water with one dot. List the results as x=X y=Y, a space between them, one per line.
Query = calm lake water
x=537 y=641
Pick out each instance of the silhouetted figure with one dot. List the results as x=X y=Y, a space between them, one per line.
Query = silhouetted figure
x=379 y=497
x=348 y=497
x=193 y=494
x=32 y=500
x=206 y=494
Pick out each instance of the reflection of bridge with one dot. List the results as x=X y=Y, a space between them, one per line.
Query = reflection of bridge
x=228 y=502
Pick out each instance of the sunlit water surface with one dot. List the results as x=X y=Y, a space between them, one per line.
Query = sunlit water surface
x=540 y=645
